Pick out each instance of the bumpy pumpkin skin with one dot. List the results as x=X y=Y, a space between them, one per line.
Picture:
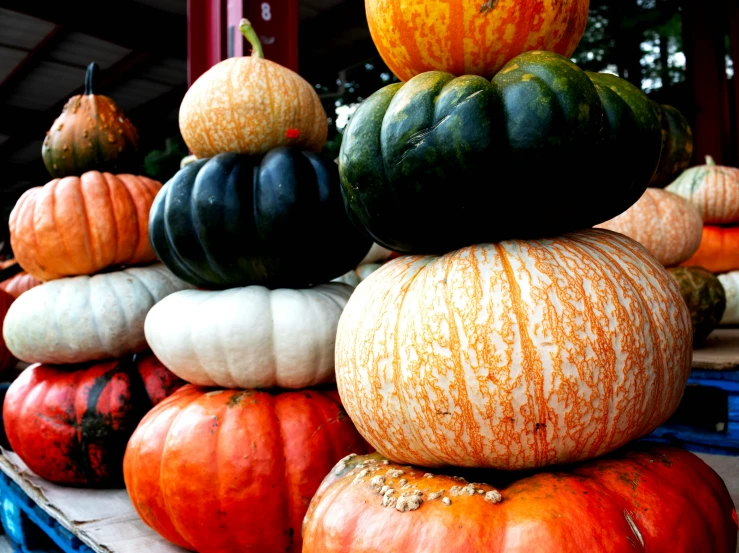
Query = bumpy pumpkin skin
x=677 y=146
x=71 y=424
x=514 y=355
x=642 y=498
x=719 y=250
x=669 y=226
x=470 y=37
x=705 y=297
x=713 y=189
x=418 y=154
x=276 y=221
x=268 y=451
x=92 y=133
x=82 y=225
x=22 y=282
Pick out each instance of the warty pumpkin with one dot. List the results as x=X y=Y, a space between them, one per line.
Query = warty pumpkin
x=719 y=250
x=249 y=337
x=705 y=297
x=677 y=146
x=250 y=105
x=79 y=319
x=7 y=361
x=71 y=424
x=514 y=355
x=730 y=283
x=416 y=158
x=218 y=471
x=470 y=37
x=91 y=134
x=713 y=189
x=22 y=282
x=276 y=220
x=82 y=225
x=642 y=498
x=669 y=226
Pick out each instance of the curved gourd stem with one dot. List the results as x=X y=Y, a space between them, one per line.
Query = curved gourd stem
x=248 y=31
x=710 y=161
x=90 y=78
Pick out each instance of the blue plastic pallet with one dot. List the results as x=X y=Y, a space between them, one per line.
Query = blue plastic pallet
x=29 y=528
x=725 y=442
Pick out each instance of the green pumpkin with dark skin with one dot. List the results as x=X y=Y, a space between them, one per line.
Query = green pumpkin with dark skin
x=440 y=163
x=276 y=220
x=677 y=146
x=705 y=296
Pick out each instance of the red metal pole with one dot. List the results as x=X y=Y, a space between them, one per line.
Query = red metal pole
x=734 y=46
x=206 y=37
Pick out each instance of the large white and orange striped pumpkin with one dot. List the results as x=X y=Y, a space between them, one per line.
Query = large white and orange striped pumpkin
x=514 y=355
x=669 y=226
x=251 y=105
x=713 y=189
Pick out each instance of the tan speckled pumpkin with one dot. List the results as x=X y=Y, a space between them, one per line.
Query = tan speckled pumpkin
x=251 y=105
x=669 y=226
x=713 y=189
x=518 y=354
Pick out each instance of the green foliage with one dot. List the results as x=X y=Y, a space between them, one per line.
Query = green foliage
x=161 y=165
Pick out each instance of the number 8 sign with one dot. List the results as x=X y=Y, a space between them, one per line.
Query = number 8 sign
x=266 y=11
x=276 y=24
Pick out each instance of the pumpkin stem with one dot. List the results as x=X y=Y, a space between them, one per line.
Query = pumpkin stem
x=90 y=78
x=710 y=161
x=248 y=31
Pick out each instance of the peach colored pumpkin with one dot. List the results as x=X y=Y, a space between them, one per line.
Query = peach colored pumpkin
x=251 y=105
x=22 y=282
x=713 y=189
x=669 y=226
x=82 y=225
x=514 y=355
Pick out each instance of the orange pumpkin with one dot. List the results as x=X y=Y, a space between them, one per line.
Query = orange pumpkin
x=251 y=105
x=516 y=354
x=81 y=225
x=713 y=189
x=669 y=226
x=719 y=251
x=22 y=282
x=470 y=37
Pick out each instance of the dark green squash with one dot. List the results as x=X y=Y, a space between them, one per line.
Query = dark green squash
x=705 y=296
x=440 y=162
x=235 y=220
x=677 y=146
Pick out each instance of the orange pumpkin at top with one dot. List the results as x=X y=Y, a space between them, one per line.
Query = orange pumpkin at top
x=470 y=37
x=251 y=105
x=82 y=225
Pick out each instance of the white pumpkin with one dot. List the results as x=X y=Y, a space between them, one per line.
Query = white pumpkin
x=376 y=254
x=353 y=278
x=730 y=282
x=249 y=337
x=85 y=318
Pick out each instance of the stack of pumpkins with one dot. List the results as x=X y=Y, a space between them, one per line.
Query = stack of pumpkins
x=69 y=416
x=231 y=461
x=485 y=350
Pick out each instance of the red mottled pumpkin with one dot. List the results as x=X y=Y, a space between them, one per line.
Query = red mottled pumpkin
x=719 y=250
x=644 y=498
x=22 y=282
x=234 y=470
x=6 y=358
x=70 y=423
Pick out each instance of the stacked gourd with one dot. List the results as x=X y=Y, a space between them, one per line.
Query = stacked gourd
x=85 y=233
x=257 y=222
x=486 y=350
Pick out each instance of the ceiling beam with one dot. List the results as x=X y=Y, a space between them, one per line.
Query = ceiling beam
x=125 y=23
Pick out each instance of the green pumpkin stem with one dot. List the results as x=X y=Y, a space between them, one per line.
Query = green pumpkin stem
x=90 y=78
x=248 y=31
x=710 y=161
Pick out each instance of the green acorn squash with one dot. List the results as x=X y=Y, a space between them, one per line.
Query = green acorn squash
x=440 y=162
x=677 y=146
x=236 y=220
x=705 y=296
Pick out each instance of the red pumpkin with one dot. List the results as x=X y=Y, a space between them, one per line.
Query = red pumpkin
x=7 y=360
x=22 y=282
x=71 y=424
x=719 y=250
x=644 y=498
x=234 y=470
